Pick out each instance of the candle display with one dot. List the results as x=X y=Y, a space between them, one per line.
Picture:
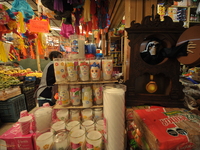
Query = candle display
x=107 y=67
x=95 y=70
x=75 y=94
x=72 y=70
x=84 y=69
x=87 y=96
x=63 y=94
x=59 y=69
x=98 y=94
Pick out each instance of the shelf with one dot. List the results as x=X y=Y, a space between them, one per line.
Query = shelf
x=87 y=82
x=115 y=51
x=117 y=66
x=183 y=6
x=75 y=107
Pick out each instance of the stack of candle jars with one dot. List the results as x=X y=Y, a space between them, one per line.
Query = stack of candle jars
x=74 y=129
x=80 y=95
x=83 y=70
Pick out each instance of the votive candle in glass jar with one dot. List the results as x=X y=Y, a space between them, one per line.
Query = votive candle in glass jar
x=95 y=70
x=77 y=139
x=98 y=94
x=107 y=69
x=98 y=113
x=94 y=140
x=72 y=74
x=87 y=114
x=72 y=125
x=75 y=114
x=87 y=96
x=75 y=95
x=84 y=70
x=61 y=141
x=45 y=141
x=63 y=94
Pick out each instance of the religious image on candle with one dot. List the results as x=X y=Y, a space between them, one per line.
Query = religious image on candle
x=84 y=69
x=95 y=70
x=71 y=70
x=107 y=67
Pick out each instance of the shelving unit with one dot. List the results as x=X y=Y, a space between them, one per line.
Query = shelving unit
x=185 y=14
x=81 y=83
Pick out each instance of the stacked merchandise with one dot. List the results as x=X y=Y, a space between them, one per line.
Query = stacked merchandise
x=166 y=128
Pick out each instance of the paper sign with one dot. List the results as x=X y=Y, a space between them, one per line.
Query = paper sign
x=39 y=26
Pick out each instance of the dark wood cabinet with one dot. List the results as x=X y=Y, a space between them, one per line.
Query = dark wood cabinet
x=156 y=84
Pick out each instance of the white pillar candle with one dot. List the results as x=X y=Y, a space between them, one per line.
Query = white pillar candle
x=72 y=125
x=95 y=70
x=72 y=70
x=94 y=140
x=75 y=94
x=87 y=114
x=59 y=69
x=107 y=69
x=114 y=110
x=63 y=114
x=77 y=139
x=87 y=96
x=44 y=141
x=84 y=69
x=98 y=94
x=63 y=94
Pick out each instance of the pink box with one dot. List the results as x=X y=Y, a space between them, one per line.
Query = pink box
x=15 y=140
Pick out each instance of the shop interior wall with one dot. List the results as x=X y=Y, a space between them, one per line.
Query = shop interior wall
x=32 y=63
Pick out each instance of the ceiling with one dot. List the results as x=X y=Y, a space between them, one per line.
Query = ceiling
x=116 y=12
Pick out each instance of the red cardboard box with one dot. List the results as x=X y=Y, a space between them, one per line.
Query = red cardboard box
x=15 y=140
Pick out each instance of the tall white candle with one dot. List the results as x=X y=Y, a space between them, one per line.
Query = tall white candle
x=59 y=69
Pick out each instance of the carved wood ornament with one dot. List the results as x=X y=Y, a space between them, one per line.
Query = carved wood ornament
x=154 y=84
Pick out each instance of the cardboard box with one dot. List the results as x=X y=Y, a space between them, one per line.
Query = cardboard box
x=15 y=140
